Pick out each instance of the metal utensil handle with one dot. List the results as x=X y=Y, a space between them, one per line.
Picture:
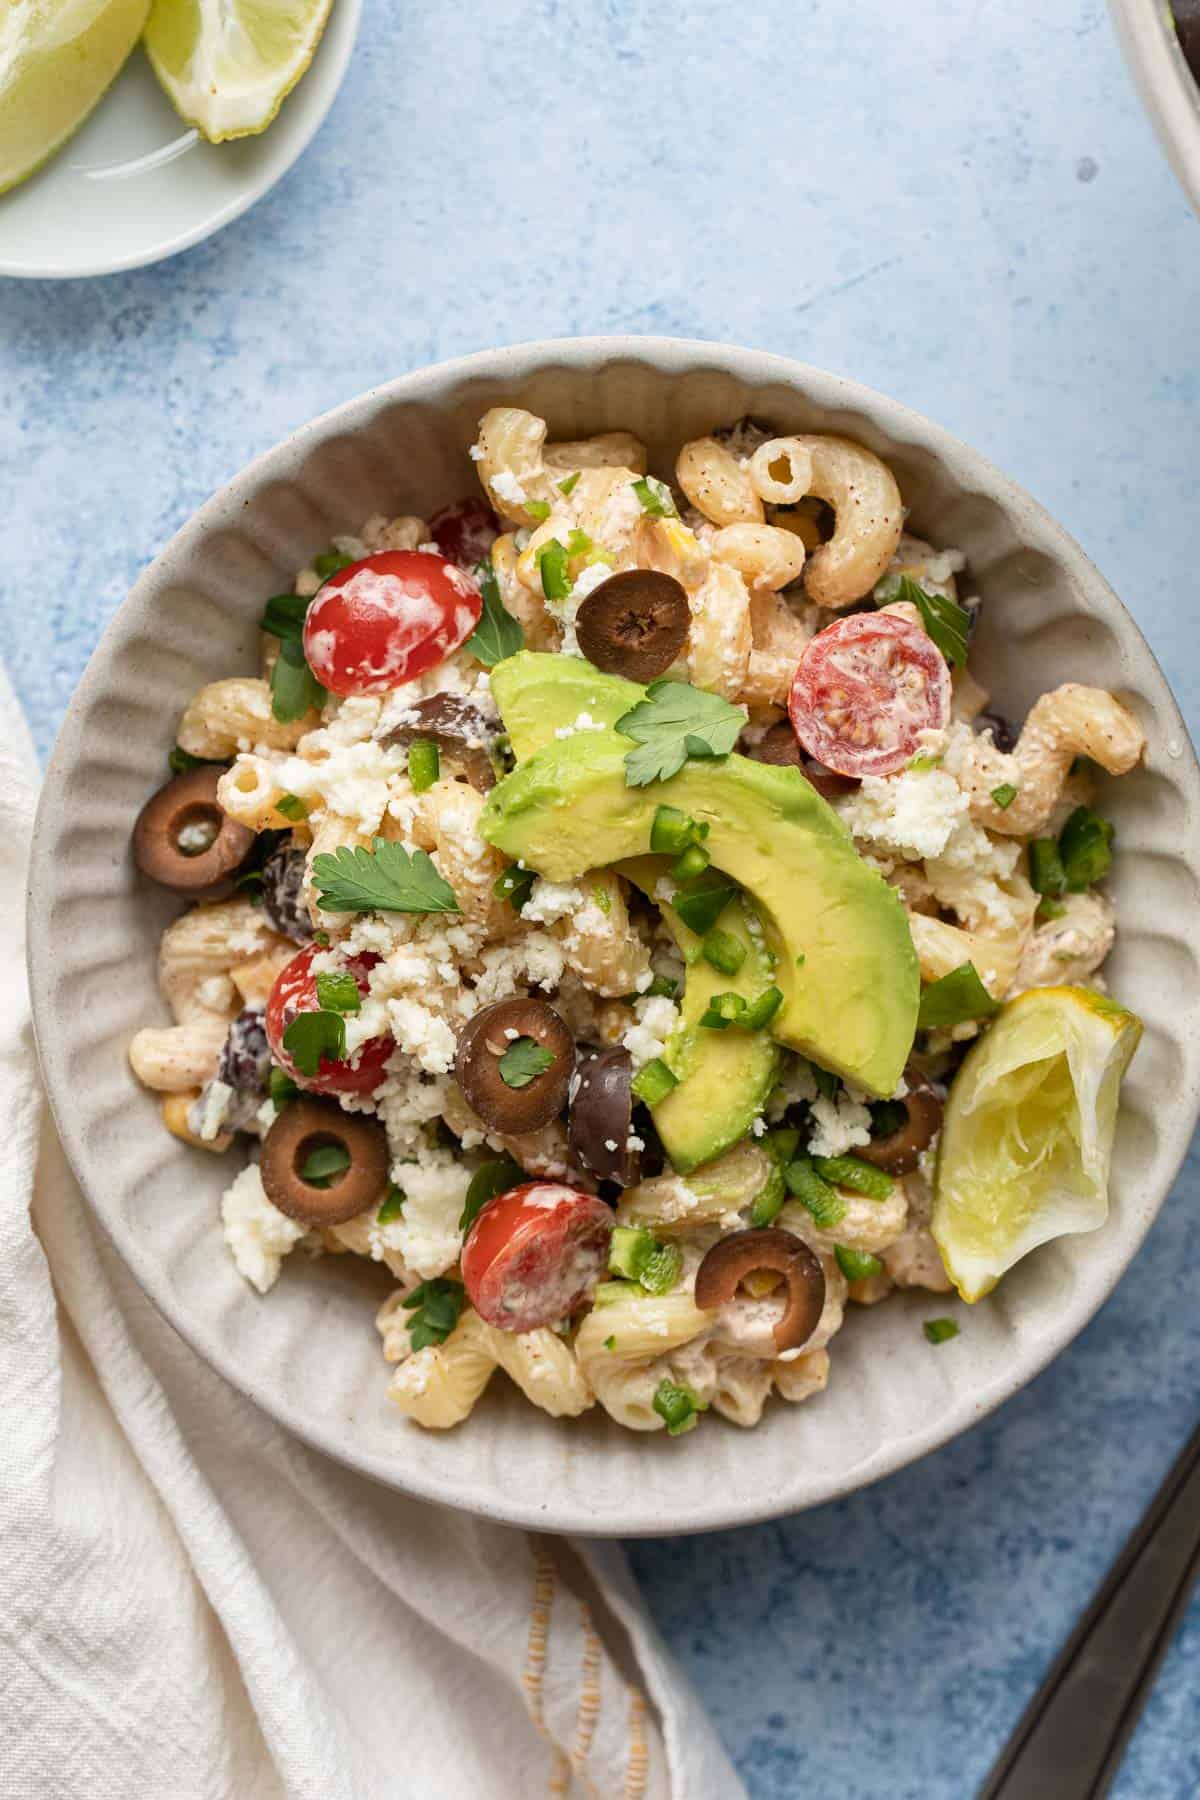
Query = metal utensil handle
x=1072 y=1736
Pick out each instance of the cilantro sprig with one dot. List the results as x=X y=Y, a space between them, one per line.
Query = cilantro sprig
x=385 y=878
x=295 y=690
x=673 y=722
x=312 y=1035
x=435 y=1307
x=945 y=621
x=955 y=999
x=523 y=1062
x=498 y=635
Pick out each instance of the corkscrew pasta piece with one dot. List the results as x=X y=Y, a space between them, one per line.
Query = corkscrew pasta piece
x=450 y=814
x=672 y=548
x=178 y=1059
x=869 y=514
x=232 y=715
x=716 y=483
x=250 y=792
x=624 y=1374
x=720 y=639
x=509 y=459
x=598 y=941
x=437 y=1387
x=941 y=947
x=715 y=1193
x=801 y=1379
x=778 y=636
x=200 y=948
x=1066 y=951
x=866 y=1225
x=544 y=1367
x=1070 y=721
x=739 y=1388
x=526 y=604
x=781 y=471
x=608 y=450
x=763 y=555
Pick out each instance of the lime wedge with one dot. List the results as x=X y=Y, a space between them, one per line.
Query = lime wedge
x=1028 y=1132
x=57 y=58
x=228 y=65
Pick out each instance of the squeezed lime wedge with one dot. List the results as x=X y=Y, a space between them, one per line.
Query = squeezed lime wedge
x=1027 y=1137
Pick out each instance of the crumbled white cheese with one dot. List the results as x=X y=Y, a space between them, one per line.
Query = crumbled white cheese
x=353 y=780
x=657 y=1018
x=841 y=1124
x=259 y=1236
x=505 y=486
x=551 y=900
x=584 y=722
x=207 y=1115
x=426 y=1234
x=796 y=1083
x=912 y=814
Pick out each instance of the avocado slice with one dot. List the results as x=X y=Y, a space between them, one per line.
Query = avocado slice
x=844 y=954
x=539 y=694
x=725 y=1077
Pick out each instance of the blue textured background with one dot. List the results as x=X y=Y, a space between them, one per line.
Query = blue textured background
x=957 y=202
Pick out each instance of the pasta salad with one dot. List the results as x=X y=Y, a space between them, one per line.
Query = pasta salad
x=616 y=912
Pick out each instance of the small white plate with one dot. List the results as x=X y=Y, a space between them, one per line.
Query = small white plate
x=136 y=184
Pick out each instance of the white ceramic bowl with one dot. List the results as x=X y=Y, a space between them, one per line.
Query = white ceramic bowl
x=1168 y=89
x=135 y=184
x=308 y=1353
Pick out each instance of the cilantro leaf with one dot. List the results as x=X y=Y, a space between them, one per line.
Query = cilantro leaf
x=497 y=634
x=385 y=878
x=673 y=722
x=180 y=761
x=323 y=1163
x=312 y=1035
x=284 y=615
x=523 y=1062
x=295 y=690
x=392 y=1205
x=435 y=1307
x=491 y=1178
x=945 y=621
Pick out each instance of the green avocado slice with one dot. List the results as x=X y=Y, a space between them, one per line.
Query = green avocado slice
x=725 y=1077
x=844 y=957
x=539 y=694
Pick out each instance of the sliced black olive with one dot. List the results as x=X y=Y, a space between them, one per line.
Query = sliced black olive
x=1187 y=30
x=306 y=1126
x=1004 y=732
x=899 y=1152
x=184 y=841
x=779 y=746
x=601 y=1121
x=634 y=624
x=283 y=893
x=464 y=730
x=745 y=435
x=734 y=1257
x=488 y=1084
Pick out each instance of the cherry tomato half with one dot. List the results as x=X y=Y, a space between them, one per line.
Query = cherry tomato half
x=535 y=1253
x=295 y=992
x=388 y=618
x=865 y=690
x=465 y=532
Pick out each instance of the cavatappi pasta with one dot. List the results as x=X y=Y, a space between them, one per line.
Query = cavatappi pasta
x=474 y=1072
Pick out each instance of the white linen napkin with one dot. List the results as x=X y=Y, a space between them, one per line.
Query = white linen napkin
x=192 y=1603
